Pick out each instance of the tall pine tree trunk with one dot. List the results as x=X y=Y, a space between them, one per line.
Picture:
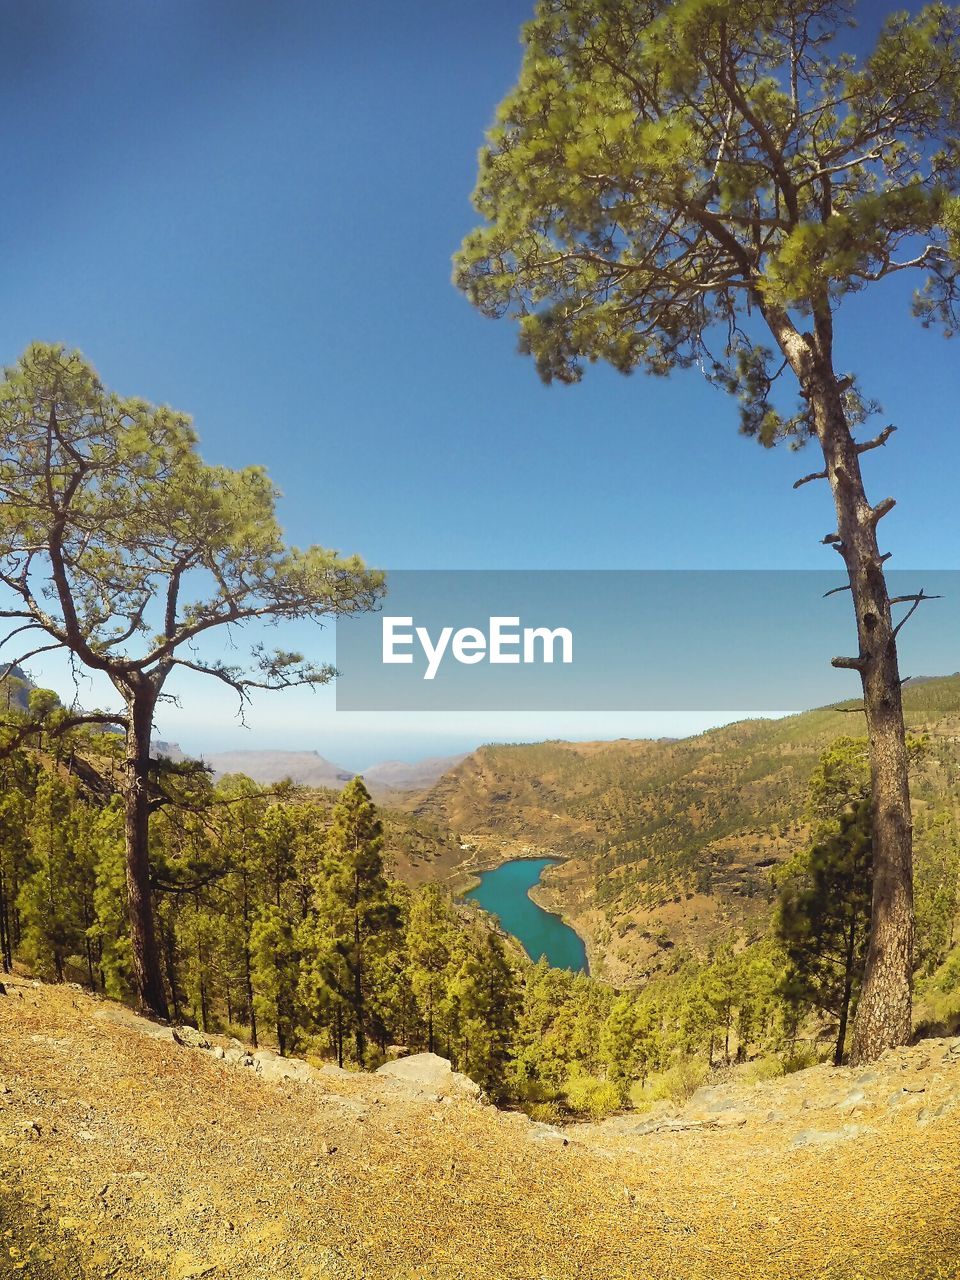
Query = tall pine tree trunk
x=247 y=968
x=146 y=957
x=358 y=990
x=847 y=993
x=883 y=1015
x=6 y=955
x=169 y=947
x=883 y=1018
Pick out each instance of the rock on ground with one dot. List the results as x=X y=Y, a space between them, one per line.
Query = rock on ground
x=427 y=1074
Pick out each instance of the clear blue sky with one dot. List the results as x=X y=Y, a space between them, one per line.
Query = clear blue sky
x=247 y=210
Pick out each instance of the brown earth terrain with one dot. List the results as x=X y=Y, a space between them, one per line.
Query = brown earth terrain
x=125 y=1154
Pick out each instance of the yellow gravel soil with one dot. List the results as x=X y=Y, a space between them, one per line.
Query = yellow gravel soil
x=128 y=1156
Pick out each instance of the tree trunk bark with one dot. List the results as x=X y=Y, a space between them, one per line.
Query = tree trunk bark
x=883 y=1018
x=169 y=947
x=358 y=991
x=6 y=957
x=247 y=971
x=847 y=992
x=146 y=957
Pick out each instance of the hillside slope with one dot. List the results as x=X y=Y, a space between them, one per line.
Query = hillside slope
x=671 y=843
x=126 y=1155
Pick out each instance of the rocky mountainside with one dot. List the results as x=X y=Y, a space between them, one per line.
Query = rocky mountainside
x=396 y=776
x=389 y=781
x=15 y=689
x=308 y=768
x=127 y=1154
x=672 y=843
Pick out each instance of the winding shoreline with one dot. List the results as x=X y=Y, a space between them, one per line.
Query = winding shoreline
x=468 y=878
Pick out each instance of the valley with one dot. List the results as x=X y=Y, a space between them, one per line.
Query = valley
x=670 y=846
x=659 y=848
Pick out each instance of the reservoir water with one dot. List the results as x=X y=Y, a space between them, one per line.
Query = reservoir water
x=504 y=892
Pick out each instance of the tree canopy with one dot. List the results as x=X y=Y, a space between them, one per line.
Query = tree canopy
x=662 y=170
x=700 y=182
x=122 y=547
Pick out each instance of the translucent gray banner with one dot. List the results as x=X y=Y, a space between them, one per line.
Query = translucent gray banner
x=641 y=640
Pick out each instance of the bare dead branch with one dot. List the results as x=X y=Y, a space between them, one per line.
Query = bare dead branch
x=881 y=509
x=849 y=664
x=25 y=657
x=814 y=475
x=918 y=600
x=878 y=441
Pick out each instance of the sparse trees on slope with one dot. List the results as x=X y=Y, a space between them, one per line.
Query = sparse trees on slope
x=677 y=184
x=121 y=546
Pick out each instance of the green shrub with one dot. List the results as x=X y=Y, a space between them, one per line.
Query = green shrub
x=680 y=1082
x=799 y=1057
x=769 y=1067
x=592 y=1097
x=545 y=1112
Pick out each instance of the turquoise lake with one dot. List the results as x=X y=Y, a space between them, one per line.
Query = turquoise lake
x=504 y=892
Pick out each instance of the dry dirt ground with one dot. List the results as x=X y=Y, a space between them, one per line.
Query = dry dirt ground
x=126 y=1155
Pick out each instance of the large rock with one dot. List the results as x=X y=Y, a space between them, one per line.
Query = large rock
x=191 y=1038
x=816 y=1137
x=272 y=1067
x=237 y=1054
x=430 y=1076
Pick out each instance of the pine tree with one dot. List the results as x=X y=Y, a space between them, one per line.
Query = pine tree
x=241 y=820
x=823 y=919
x=429 y=943
x=276 y=960
x=18 y=781
x=631 y=1043
x=484 y=1001
x=693 y=184
x=50 y=896
x=71 y=454
x=109 y=929
x=354 y=914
